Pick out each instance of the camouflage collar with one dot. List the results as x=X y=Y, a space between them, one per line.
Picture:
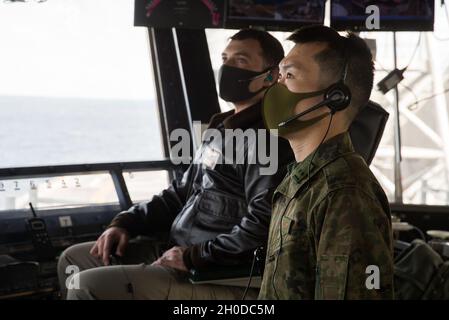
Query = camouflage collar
x=328 y=152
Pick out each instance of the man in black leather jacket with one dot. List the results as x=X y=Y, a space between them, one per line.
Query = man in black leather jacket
x=215 y=216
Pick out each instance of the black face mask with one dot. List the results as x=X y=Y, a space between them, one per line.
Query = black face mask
x=234 y=83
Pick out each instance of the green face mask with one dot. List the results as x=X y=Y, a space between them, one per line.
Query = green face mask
x=279 y=105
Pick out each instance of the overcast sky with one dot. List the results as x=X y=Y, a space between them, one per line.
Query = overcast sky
x=73 y=48
x=90 y=48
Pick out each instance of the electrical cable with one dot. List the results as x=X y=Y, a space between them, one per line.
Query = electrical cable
x=421 y=234
x=428 y=98
x=250 y=275
x=415 y=104
x=414 y=51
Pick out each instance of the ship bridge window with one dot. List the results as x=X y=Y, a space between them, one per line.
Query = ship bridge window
x=76 y=84
x=423 y=107
x=76 y=89
x=57 y=192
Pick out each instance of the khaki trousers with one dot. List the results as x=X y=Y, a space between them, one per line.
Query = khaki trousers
x=135 y=279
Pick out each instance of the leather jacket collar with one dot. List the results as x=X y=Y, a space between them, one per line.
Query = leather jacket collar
x=242 y=120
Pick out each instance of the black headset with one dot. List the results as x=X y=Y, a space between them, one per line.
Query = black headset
x=337 y=97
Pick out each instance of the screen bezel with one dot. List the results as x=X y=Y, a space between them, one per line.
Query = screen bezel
x=385 y=24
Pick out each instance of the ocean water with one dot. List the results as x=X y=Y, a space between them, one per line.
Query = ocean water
x=55 y=131
x=36 y=131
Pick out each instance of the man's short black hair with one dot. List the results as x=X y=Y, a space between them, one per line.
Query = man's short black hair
x=339 y=51
x=272 y=49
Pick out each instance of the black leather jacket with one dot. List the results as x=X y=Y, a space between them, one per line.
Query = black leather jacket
x=220 y=212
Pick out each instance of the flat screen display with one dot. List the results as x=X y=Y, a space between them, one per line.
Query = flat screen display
x=179 y=13
x=394 y=15
x=284 y=15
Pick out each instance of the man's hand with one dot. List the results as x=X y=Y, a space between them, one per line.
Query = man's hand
x=106 y=242
x=172 y=258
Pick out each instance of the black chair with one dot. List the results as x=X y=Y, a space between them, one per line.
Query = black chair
x=367 y=129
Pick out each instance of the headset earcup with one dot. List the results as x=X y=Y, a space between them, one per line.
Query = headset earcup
x=342 y=91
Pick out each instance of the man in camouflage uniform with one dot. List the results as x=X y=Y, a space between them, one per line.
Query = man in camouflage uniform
x=330 y=235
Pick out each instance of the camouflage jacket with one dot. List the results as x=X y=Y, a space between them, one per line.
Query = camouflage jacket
x=330 y=222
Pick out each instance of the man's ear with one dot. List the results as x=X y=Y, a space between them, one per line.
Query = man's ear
x=272 y=77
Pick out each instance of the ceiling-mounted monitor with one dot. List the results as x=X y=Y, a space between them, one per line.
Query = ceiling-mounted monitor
x=179 y=13
x=286 y=15
x=394 y=15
